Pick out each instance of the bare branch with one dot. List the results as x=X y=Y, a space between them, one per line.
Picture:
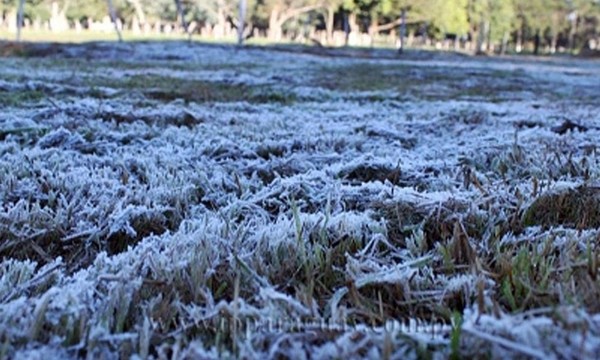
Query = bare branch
x=292 y=13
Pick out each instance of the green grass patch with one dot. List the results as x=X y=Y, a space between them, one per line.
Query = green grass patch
x=400 y=81
x=164 y=88
x=20 y=97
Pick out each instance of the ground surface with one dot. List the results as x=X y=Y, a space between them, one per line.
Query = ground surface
x=169 y=200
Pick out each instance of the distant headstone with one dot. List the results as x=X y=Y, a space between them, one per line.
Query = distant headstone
x=107 y=25
x=206 y=31
x=192 y=27
x=135 y=26
x=58 y=18
x=12 y=21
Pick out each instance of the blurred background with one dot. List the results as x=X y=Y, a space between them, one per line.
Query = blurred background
x=476 y=26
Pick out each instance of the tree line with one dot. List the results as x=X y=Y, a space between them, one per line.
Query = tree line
x=485 y=25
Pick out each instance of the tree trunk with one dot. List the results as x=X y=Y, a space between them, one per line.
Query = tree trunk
x=181 y=17
x=411 y=37
x=425 y=35
x=274 y=25
x=536 y=43
x=329 y=24
x=471 y=36
x=489 y=45
x=20 y=19
x=278 y=17
x=504 y=43
x=113 y=18
x=519 y=45
x=353 y=24
x=554 y=30
x=554 y=41
x=139 y=12
x=346 y=29
x=373 y=28
x=572 y=31
x=58 y=18
x=481 y=36
x=221 y=25
x=402 y=30
x=241 y=22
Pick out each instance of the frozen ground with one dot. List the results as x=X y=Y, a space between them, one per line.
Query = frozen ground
x=172 y=201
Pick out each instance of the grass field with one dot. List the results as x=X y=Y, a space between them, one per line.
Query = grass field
x=78 y=37
x=168 y=200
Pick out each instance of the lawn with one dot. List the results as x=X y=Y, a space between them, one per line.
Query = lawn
x=176 y=200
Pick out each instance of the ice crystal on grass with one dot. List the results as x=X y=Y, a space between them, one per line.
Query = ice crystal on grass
x=252 y=204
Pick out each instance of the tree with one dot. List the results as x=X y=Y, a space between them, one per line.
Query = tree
x=241 y=21
x=244 y=20
x=280 y=11
x=58 y=15
x=113 y=17
x=536 y=16
x=583 y=18
x=238 y=14
x=20 y=19
x=450 y=17
x=403 y=12
x=557 y=20
x=86 y=9
x=385 y=15
x=503 y=21
x=331 y=7
x=181 y=16
x=479 y=23
x=139 y=11
x=493 y=21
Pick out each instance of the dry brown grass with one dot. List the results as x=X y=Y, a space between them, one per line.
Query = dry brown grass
x=577 y=208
